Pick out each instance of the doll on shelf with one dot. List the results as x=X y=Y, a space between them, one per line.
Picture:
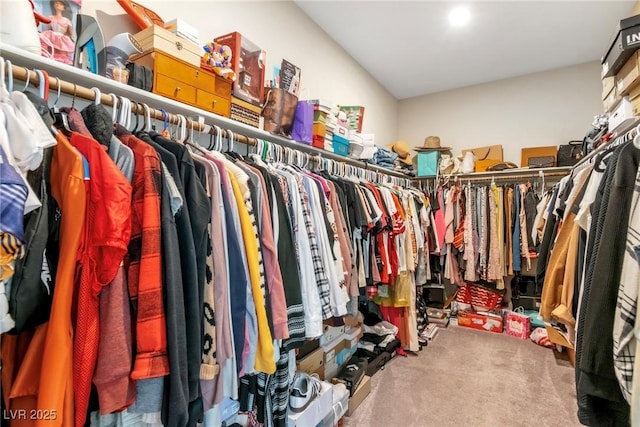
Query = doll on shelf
x=57 y=40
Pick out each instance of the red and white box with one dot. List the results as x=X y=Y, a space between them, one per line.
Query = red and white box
x=483 y=321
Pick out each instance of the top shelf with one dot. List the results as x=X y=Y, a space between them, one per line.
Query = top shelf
x=71 y=74
x=508 y=173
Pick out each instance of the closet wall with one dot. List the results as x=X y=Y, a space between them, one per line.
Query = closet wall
x=284 y=31
x=546 y=108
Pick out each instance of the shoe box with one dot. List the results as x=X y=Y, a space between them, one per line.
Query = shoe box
x=352 y=373
x=312 y=363
x=482 y=321
x=317 y=410
x=360 y=394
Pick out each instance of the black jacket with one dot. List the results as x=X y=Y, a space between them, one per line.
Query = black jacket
x=179 y=278
x=600 y=401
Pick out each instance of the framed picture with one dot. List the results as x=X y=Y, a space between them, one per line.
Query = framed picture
x=58 y=38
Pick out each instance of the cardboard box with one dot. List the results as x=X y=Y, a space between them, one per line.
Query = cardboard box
x=621 y=116
x=330 y=334
x=248 y=62
x=608 y=83
x=611 y=101
x=629 y=75
x=490 y=152
x=352 y=336
x=316 y=411
x=360 y=394
x=312 y=362
x=527 y=153
x=482 y=321
x=623 y=45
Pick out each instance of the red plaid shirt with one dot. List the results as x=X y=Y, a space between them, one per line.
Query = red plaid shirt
x=145 y=264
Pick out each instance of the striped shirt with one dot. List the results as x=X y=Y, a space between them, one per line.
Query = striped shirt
x=624 y=340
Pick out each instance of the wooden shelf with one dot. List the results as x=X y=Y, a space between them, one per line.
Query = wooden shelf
x=23 y=58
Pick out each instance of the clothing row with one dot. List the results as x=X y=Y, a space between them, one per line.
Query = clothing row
x=591 y=278
x=146 y=282
x=484 y=233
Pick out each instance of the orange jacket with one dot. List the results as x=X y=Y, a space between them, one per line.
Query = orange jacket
x=56 y=380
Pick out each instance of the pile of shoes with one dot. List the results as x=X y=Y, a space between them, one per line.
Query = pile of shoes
x=377 y=345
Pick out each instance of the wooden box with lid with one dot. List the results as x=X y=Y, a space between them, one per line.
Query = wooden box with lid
x=181 y=81
x=162 y=40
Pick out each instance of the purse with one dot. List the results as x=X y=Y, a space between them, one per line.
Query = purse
x=541 y=162
x=140 y=76
x=569 y=154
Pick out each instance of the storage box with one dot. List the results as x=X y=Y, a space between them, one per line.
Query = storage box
x=361 y=393
x=331 y=333
x=341 y=130
x=625 y=42
x=355 y=116
x=246 y=113
x=610 y=101
x=352 y=336
x=319 y=129
x=248 y=62
x=531 y=152
x=482 y=321
x=340 y=145
x=629 y=75
x=182 y=29
x=312 y=362
x=163 y=40
x=493 y=152
x=427 y=163
x=352 y=373
x=621 y=116
x=608 y=83
x=317 y=410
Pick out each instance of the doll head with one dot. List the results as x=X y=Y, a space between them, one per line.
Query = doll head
x=61 y=6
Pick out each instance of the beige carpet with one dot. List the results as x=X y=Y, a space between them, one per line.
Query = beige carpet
x=472 y=378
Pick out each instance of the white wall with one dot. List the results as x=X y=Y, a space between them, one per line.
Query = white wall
x=547 y=108
x=284 y=31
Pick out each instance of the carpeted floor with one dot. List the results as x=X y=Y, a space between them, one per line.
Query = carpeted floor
x=472 y=378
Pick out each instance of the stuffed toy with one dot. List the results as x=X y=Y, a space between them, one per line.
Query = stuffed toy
x=217 y=57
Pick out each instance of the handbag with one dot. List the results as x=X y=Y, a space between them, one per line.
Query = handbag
x=279 y=111
x=541 y=162
x=518 y=324
x=140 y=76
x=569 y=154
x=303 y=123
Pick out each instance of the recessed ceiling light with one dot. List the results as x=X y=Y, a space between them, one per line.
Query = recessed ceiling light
x=459 y=16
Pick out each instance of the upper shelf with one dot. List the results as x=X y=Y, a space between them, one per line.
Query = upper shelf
x=27 y=59
x=510 y=173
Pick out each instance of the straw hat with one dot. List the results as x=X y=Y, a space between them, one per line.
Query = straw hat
x=401 y=148
x=432 y=143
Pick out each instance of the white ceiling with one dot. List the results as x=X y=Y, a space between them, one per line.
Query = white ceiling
x=411 y=49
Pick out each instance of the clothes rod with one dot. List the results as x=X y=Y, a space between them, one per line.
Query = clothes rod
x=509 y=174
x=85 y=80
x=137 y=108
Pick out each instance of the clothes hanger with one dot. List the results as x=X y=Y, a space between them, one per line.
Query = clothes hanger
x=98 y=96
x=114 y=107
x=9 y=70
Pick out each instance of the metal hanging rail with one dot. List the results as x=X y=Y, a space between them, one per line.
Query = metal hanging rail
x=75 y=82
x=505 y=175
